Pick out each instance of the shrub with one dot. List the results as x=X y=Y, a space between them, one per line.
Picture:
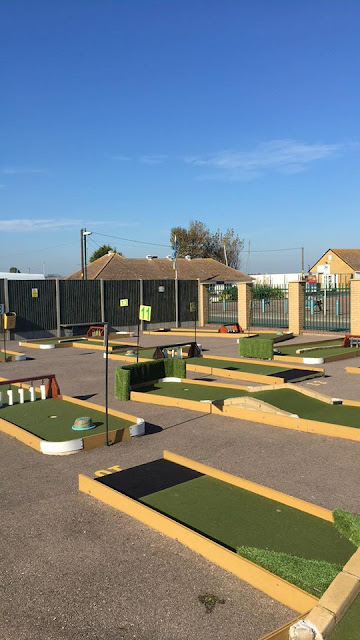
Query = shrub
x=314 y=576
x=348 y=525
x=262 y=348
x=129 y=375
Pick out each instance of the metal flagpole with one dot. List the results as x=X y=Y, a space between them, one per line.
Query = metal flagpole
x=106 y=345
x=176 y=284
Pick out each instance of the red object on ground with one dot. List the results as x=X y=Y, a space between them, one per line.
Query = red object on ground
x=346 y=341
x=230 y=328
x=99 y=331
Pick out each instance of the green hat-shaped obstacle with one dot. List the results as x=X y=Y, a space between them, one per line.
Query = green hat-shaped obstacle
x=83 y=424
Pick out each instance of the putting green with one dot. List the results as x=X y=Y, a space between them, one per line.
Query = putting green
x=35 y=417
x=236 y=517
x=286 y=399
x=348 y=627
x=246 y=367
x=290 y=350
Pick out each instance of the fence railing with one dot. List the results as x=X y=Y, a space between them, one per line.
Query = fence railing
x=222 y=304
x=42 y=305
x=269 y=306
x=327 y=309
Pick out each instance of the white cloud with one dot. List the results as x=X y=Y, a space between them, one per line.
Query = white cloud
x=36 y=224
x=12 y=171
x=283 y=156
x=153 y=159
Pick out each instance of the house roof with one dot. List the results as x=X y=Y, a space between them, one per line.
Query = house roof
x=116 y=267
x=350 y=256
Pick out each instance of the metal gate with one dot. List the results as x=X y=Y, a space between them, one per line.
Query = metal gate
x=327 y=308
x=269 y=306
x=222 y=304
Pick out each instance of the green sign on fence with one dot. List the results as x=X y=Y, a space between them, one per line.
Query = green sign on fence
x=145 y=313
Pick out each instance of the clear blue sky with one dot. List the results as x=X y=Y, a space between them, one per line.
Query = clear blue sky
x=130 y=117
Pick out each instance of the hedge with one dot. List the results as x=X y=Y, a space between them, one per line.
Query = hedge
x=262 y=348
x=129 y=375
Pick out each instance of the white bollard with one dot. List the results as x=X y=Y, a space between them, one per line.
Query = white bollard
x=179 y=352
x=32 y=394
x=21 y=395
x=172 y=353
x=1 y=399
x=43 y=392
x=10 y=397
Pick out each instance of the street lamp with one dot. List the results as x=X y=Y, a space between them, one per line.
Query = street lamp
x=84 y=233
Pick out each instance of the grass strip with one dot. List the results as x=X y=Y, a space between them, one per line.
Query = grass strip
x=314 y=576
x=348 y=524
x=246 y=367
x=290 y=350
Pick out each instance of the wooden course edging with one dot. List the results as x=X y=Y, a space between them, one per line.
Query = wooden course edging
x=352 y=370
x=260 y=578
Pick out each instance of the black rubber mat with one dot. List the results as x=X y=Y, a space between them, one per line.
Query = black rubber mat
x=148 y=478
x=289 y=375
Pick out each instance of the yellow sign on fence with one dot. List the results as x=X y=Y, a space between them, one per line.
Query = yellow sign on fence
x=124 y=302
x=34 y=293
x=145 y=313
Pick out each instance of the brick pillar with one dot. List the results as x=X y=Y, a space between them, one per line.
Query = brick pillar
x=355 y=307
x=203 y=305
x=244 y=304
x=296 y=306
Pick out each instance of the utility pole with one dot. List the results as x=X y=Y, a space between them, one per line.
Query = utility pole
x=302 y=263
x=82 y=252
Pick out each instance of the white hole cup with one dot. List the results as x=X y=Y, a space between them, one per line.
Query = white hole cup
x=21 y=395
x=32 y=394
x=43 y=392
x=10 y=397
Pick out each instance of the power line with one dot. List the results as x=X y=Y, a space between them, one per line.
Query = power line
x=151 y=244
x=267 y=250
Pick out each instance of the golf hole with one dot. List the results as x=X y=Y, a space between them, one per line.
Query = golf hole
x=52 y=417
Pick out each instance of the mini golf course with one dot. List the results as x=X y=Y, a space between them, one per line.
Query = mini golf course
x=11 y=356
x=78 y=342
x=287 y=400
x=300 y=542
x=279 y=336
x=327 y=350
x=50 y=421
x=239 y=369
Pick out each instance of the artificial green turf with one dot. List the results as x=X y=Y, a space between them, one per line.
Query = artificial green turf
x=236 y=517
x=34 y=417
x=286 y=399
x=290 y=350
x=314 y=576
x=348 y=627
x=348 y=524
x=191 y=391
x=247 y=367
x=2 y=356
x=310 y=408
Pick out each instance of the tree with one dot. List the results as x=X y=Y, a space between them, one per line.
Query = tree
x=102 y=251
x=199 y=242
x=14 y=270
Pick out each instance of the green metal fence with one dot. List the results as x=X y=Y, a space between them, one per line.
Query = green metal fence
x=222 y=304
x=327 y=308
x=269 y=306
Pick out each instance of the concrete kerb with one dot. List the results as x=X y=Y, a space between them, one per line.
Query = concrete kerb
x=263 y=580
x=332 y=606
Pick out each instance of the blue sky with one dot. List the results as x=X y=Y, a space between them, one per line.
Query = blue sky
x=131 y=117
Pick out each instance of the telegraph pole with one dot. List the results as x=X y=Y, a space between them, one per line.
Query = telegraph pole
x=82 y=252
x=302 y=262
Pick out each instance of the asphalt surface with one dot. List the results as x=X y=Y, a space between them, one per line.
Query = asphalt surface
x=74 y=568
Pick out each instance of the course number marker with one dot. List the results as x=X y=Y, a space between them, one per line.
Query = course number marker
x=145 y=313
x=124 y=302
x=107 y=472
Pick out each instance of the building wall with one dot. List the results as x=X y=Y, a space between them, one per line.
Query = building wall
x=337 y=265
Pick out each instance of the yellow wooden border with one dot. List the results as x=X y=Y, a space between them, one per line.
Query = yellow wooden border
x=254 y=487
x=11 y=355
x=235 y=375
x=340 y=356
x=352 y=369
x=261 y=579
x=264 y=363
x=166 y=401
x=20 y=434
